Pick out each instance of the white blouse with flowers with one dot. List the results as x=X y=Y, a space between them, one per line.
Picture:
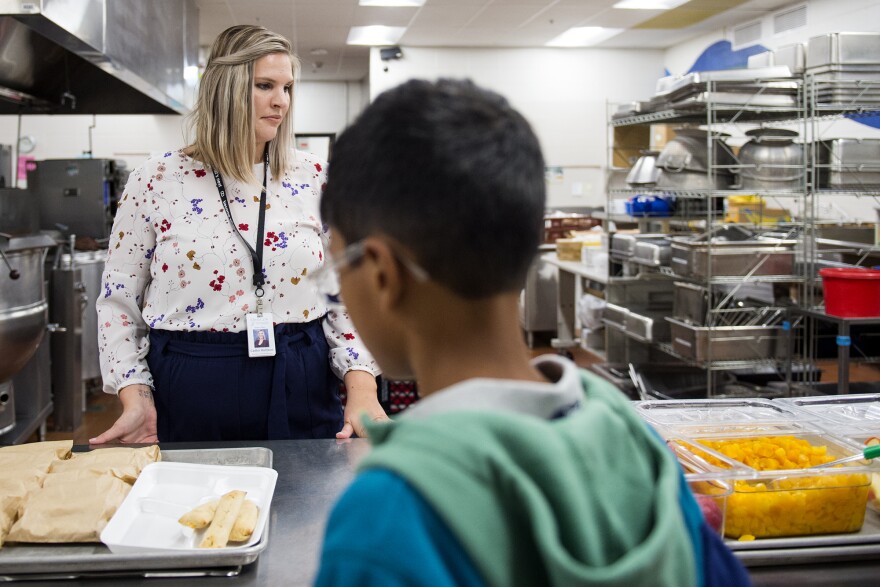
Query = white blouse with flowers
x=175 y=262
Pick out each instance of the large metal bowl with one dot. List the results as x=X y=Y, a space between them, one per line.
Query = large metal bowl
x=688 y=151
x=771 y=160
x=645 y=171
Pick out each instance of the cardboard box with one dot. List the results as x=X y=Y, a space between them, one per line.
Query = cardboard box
x=660 y=135
x=628 y=143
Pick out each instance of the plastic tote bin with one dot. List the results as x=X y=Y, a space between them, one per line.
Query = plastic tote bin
x=851 y=293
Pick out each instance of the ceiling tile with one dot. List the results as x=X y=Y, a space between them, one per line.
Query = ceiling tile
x=325 y=24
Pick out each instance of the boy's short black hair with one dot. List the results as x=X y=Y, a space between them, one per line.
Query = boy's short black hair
x=449 y=170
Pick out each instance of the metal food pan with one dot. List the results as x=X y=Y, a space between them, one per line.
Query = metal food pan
x=680 y=260
x=691 y=303
x=92 y=561
x=655 y=253
x=725 y=343
x=615 y=315
x=793 y=56
x=816 y=549
x=624 y=244
x=848 y=162
x=649 y=326
x=843 y=48
x=768 y=257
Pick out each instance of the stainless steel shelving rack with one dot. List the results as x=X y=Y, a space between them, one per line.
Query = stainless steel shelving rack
x=715 y=116
x=830 y=101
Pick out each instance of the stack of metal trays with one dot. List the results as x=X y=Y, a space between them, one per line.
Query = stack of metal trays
x=628 y=109
x=623 y=245
x=653 y=252
x=847 y=87
x=848 y=163
x=645 y=323
x=845 y=69
x=735 y=88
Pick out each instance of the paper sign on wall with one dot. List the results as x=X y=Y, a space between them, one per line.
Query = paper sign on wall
x=26 y=163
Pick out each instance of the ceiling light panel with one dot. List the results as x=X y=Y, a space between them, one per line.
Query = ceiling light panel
x=397 y=3
x=584 y=36
x=649 y=4
x=375 y=35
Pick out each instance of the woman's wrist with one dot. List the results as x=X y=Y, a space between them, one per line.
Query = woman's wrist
x=360 y=381
x=135 y=393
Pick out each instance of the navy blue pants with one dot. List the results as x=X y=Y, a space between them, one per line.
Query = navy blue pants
x=207 y=388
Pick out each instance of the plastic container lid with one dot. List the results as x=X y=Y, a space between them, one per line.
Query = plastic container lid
x=721 y=413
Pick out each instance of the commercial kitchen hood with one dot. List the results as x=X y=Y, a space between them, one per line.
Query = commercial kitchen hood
x=98 y=56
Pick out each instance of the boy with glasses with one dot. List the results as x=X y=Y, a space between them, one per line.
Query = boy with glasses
x=509 y=471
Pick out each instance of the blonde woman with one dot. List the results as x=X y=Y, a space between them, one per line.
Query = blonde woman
x=213 y=241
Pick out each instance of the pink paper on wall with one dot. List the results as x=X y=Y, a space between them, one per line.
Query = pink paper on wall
x=25 y=163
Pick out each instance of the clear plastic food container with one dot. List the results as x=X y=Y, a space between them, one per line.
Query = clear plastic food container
x=771 y=493
x=855 y=418
x=697 y=413
x=758 y=450
x=841 y=412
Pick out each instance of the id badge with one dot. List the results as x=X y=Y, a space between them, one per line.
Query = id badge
x=261 y=335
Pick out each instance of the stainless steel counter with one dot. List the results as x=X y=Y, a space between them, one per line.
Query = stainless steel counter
x=312 y=474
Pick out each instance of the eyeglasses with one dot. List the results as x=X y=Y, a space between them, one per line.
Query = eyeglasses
x=326 y=278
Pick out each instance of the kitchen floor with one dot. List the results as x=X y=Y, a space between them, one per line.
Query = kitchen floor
x=103 y=409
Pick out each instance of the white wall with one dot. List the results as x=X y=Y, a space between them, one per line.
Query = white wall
x=562 y=92
x=320 y=107
x=823 y=16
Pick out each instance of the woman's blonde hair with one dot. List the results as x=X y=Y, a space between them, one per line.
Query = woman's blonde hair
x=223 y=118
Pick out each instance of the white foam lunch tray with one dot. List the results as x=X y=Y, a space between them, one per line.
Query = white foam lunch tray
x=147 y=519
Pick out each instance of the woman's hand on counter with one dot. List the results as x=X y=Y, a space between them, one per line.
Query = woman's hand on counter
x=137 y=424
x=360 y=387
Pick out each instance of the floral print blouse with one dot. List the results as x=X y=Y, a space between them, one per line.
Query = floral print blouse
x=175 y=262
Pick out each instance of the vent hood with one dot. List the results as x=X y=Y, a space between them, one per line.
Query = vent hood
x=98 y=56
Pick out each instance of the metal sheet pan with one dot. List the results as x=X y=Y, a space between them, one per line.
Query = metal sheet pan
x=736 y=100
x=79 y=561
x=813 y=549
x=731 y=75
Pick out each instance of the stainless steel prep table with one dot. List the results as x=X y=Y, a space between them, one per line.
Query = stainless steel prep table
x=312 y=474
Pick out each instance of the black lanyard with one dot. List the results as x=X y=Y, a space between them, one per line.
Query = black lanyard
x=256 y=255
